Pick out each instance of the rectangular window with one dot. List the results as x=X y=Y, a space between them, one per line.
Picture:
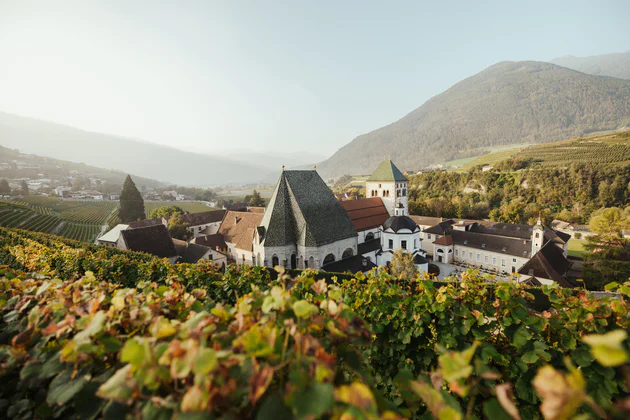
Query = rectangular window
x=391 y=244
x=428 y=236
x=485 y=259
x=513 y=260
x=470 y=255
x=415 y=243
x=403 y=244
x=494 y=260
x=502 y=262
x=457 y=253
x=478 y=257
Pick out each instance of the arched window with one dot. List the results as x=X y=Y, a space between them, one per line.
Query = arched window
x=440 y=250
x=369 y=236
x=349 y=252
x=275 y=261
x=311 y=262
x=329 y=258
x=293 y=261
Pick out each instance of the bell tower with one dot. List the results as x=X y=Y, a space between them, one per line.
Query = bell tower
x=388 y=183
x=538 y=237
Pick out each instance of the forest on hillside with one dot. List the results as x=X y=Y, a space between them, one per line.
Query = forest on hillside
x=518 y=196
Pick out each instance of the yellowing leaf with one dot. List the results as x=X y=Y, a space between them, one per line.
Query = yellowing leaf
x=162 y=327
x=304 y=309
x=356 y=395
x=561 y=395
x=205 y=361
x=607 y=348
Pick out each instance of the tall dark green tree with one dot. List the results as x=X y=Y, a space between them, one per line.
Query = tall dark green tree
x=24 y=187
x=4 y=187
x=256 y=200
x=131 y=203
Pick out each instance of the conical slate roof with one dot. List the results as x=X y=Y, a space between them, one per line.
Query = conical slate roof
x=387 y=172
x=304 y=211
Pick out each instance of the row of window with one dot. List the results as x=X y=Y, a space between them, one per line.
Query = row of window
x=399 y=193
x=478 y=257
x=403 y=244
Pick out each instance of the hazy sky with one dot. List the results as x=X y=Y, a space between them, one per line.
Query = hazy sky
x=271 y=75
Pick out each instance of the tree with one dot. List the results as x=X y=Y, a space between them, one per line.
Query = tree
x=178 y=229
x=131 y=203
x=4 y=187
x=402 y=265
x=609 y=222
x=256 y=200
x=165 y=211
x=24 y=187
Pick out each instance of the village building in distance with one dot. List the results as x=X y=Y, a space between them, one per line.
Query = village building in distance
x=305 y=226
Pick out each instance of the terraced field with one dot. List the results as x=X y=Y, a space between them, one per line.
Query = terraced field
x=601 y=149
x=80 y=220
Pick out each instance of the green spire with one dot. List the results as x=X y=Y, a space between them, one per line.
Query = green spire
x=387 y=172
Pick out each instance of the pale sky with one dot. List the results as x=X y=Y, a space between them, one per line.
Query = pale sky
x=271 y=75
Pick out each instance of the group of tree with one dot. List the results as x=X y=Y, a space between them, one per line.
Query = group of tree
x=176 y=226
x=255 y=199
x=608 y=257
x=519 y=196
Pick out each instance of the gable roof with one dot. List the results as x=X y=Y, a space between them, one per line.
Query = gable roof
x=511 y=230
x=113 y=235
x=388 y=172
x=354 y=264
x=366 y=213
x=548 y=263
x=303 y=211
x=425 y=220
x=146 y=222
x=239 y=227
x=194 y=253
x=203 y=218
x=211 y=241
x=441 y=228
x=504 y=245
x=155 y=240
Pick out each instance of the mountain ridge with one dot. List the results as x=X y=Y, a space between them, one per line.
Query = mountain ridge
x=506 y=103
x=613 y=65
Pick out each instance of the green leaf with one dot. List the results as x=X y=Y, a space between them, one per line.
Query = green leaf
x=521 y=336
x=119 y=387
x=493 y=410
x=303 y=309
x=152 y=412
x=135 y=351
x=530 y=357
x=314 y=401
x=274 y=408
x=205 y=361
x=63 y=387
x=111 y=344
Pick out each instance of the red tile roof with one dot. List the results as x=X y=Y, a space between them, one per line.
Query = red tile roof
x=239 y=228
x=366 y=213
x=444 y=240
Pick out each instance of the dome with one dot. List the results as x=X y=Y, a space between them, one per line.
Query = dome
x=397 y=223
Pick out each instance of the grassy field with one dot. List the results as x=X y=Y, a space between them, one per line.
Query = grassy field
x=611 y=148
x=576 y=247
x=189 y=206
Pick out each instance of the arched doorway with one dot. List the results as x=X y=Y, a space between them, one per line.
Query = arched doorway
x=293 y=261
x=275 y=261
x=311 y=262
x=349 y=252
x=329 y=258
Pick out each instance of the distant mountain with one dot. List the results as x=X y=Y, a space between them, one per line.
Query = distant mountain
x=507 y=103
x=275 y=161
x=613 y=65
x=131 y=156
